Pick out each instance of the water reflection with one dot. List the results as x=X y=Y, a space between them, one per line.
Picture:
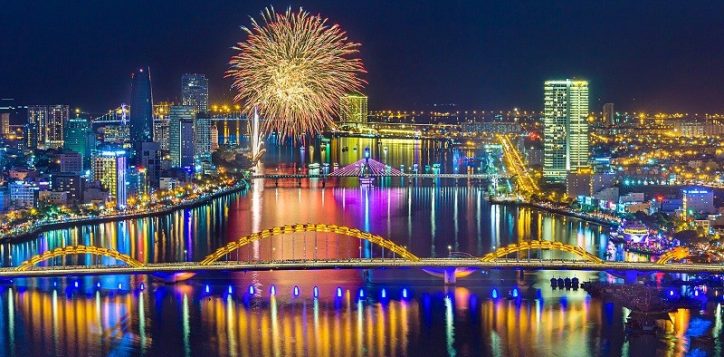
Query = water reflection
x=430 y=221
x=366 y=319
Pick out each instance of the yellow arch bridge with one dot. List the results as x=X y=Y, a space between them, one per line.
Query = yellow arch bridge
x=302 y=228
x=406 y=258
x=541 y=245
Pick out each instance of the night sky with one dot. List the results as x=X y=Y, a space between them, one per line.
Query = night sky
x=642 y=55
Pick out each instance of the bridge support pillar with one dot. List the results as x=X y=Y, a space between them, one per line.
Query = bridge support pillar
x=449 y=276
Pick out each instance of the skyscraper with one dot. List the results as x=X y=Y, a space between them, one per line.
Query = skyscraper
x=181 y=135
x=195 y=91
x=353 y=109
x=608 y=114
x=202 y=138
x=76 y=136
x=57 y=118
x=37 y=122
x=109 y=167
x=141 y=119
x=565 y=129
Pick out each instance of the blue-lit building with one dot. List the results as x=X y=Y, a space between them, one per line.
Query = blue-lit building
x=698 y=201
x=141 y=118
x=181 y=135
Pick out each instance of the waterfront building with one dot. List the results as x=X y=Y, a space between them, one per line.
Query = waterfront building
x=565 y=128
x=71 y=162
x=195 y=91
x=181 y=135
x=141 y=118
x=70 y=183
x=151 y=162
x=578 y=184
x=23 y=194
x=109 y=168
x=53 y=197
x=697 y=201
x=353 y=109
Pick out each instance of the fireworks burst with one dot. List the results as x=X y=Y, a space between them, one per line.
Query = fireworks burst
x=294 y=67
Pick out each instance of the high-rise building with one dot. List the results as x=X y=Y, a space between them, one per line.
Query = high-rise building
x=214 y=138
x=565 y=128
x=353 y=109
x=151 y=162
x=609 y=115
x=76 y=136
x=109 y=168
x=698 y=201
x=181 y=135
x=195 y=91
x=141 y=118
x=57 y=118
x=202 y=138
x=38 y=120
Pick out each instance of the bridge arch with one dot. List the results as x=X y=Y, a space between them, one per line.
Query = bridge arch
x=677 y=253
x=77 y=250
x=302 y=228
x=541 y=245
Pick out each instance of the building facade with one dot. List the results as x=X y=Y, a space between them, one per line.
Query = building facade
x=565 y=128
x=195 y=91
x=141 y=118
x=109 y=168
x=181 y=135
x=353 y=109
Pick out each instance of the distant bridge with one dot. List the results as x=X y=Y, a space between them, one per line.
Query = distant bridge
x=401 y=258
x=402 y=175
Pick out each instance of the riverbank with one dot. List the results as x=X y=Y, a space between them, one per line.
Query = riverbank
x=560 y=211
x=69 y=223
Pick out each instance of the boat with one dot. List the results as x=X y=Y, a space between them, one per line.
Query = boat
x=366 y=180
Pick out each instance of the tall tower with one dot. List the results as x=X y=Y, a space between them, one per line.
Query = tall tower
x=141 y=118
x=195 y=91
x=181 y=135
x=57 y=118
x=76 y=137
x=565 y=129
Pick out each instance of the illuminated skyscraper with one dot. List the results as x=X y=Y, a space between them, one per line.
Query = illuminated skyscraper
x=141 y=118
x=181 y=135
x=565 y=128
x=195 y=91
x=76 y=137
x=202 y=138
x=57 y=118
x=109 y=167
x=353 y=109
x=38 y=121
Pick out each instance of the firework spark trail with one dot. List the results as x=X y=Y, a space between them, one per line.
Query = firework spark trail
x=294 y=67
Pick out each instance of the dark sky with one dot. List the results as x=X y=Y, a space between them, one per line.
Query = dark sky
x=642 y=55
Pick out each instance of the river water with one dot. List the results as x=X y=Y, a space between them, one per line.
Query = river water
x=337 y=312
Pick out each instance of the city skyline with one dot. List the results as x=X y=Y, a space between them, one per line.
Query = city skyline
x=408 y=63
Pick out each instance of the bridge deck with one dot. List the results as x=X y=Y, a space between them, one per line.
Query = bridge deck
x=510 y=264
x=432 y=176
